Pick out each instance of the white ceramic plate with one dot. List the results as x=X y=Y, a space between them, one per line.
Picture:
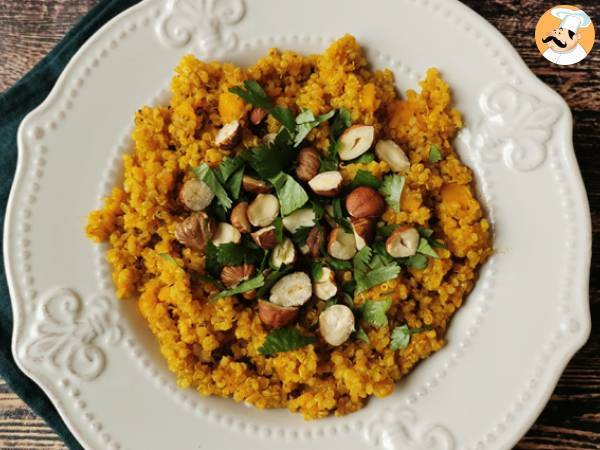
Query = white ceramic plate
x=507 y=346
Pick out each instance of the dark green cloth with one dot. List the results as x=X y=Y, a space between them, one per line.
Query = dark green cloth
x=15 y=104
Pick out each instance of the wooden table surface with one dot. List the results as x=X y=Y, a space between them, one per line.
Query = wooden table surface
x=30 y=28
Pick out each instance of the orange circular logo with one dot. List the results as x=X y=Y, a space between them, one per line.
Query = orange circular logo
x=564 y=35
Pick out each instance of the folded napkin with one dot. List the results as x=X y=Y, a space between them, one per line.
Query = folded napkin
x=15 y=104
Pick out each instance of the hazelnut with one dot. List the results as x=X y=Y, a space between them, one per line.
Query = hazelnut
x=388 y=151
x=284 y=253
x=365 y=202
x=226 y=234
x=195 y=195
x=195 y=231
x=304 y=217
x=308 y=164
x=228 y=136
x=315 y=239
x=265 y=238
x=257 y=115
x=325 y=287
x=402 y=242
x=275 y=316
x=263 y=210
x=336 y=323
x=231 y=276
x=294 y=289
x=255 y=186
x=364 y=229
x=239 y=218
x=341 y=245
x=327 y=184
x=356 y=140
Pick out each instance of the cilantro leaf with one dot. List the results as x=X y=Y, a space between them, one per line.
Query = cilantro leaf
x=338 y=264
x=365 y=178
x=234 y=184
x=342 y=120
x=391 y=189
x=377 y=276
x=306 y=121
x=401 y=336
x=284 y=340
x=316 y=270
x=278 y=224
x=300 y=236
x=332 y=301
x=231 y=254
x=336 y=205
x=348 y=300
x=248 y=285
x=374 y=312
x=425 y=232
x=168 y=258
x=386 y=230
x=211 y=262
x=285 y=117
x=417 y=261
x=266 y=161
x=362 y=335
x=228 y=167
x=331 y=161
x=291 y=195
x=435 y=155
x=206 y=174
x=425 y=249
x=361 y=261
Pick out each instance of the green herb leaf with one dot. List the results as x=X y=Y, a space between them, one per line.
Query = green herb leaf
x=365 y=158
x=245 y=286
x=425 y=232
x=386 y=230
x=205 y=173
x=391 y=189
x=348 y=300
x=278 y=224
x=349 y=287
x=291 y=195
x=401 y=336
x=336 y=205
x=362 y=335
x=195 y=276
x=338 y=264
x=234 y=184
x=425 y=249
x=168 y=258
x=417 y=261
x=285 y=117
x=365 y=178
x=361 y=261
x=332 y=301
x=374 y=312
x=300 y=236
x=228 y=167
x=306 y=121
x=377 y=276
x=284 y=340
x=231 y=254
x=211 y=261
x=342 y=120
x=318 y=208
x=316 y=270
x=435 y=155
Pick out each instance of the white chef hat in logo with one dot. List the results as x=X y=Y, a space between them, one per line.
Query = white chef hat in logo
x=571 y=19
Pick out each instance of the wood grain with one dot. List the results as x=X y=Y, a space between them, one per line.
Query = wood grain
x=571 y=420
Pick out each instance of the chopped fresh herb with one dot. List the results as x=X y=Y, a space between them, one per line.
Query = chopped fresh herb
x=216 y=211
x=206 y=174
x=318 y=208
x=386 y=230
x=291 y=195
x=362 y=335
x=336 y=205
x=256 y=96
x=245 y=286
x=435 y=155
x=425 y=232
x=278 y=224
x=391 y=189
x=348 y=300
x=300 y=236
x=168 y=258
x=365 y=178
x=401 y=336
x=234 y=184
x=377 y=276
x=235 y=254
x=342 y=120
x=268 y=162
x=284 y=340
x=349 y=287
x=425 y=249
x=211 y=261
x=316 y=270
x=417 y=261
x=338 y=264
x=436 y=244
x=374 y=312
x=365 y=158
x=195 y=276
x=228 y=167
x=361 y=261
x=306 y=121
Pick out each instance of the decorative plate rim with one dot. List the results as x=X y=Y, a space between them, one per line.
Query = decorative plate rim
x=566 y=151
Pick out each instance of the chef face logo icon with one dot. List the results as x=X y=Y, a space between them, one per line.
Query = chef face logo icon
x=564 y=35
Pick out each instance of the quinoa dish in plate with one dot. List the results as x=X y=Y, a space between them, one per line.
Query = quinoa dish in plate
x=297 y=234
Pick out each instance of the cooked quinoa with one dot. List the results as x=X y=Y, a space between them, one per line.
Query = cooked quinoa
x=212 y=345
